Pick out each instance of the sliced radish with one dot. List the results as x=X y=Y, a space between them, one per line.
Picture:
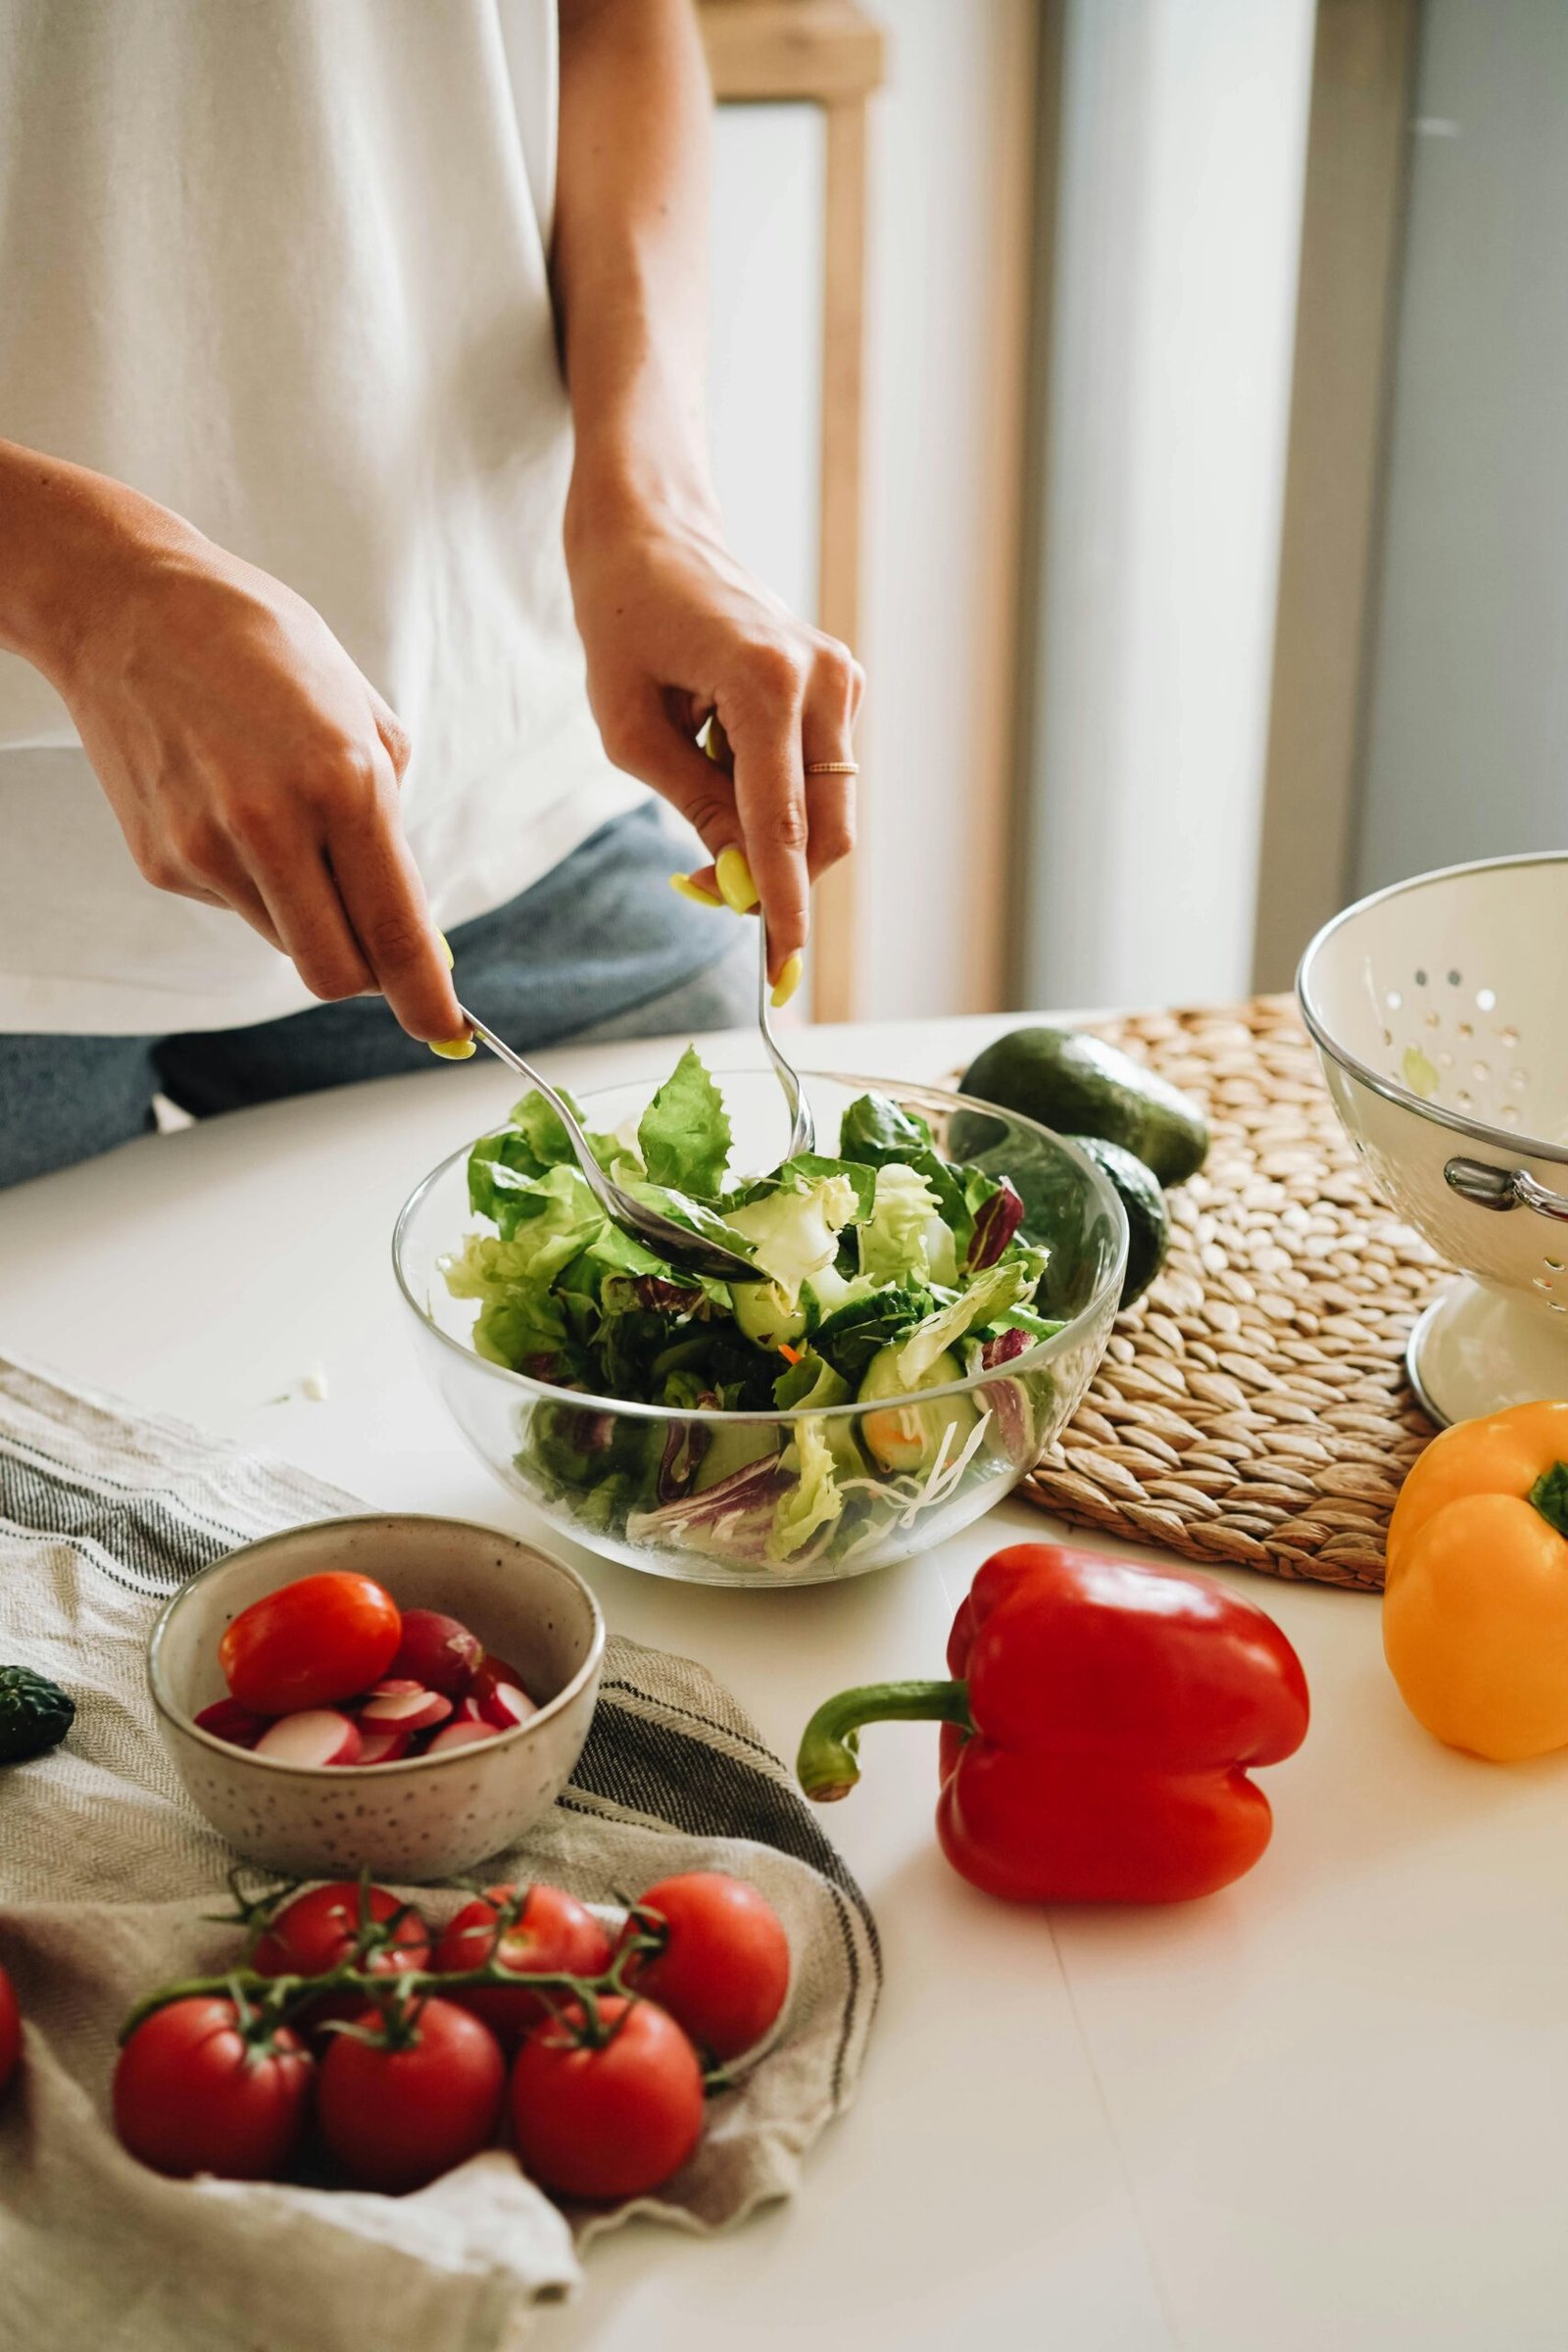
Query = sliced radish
x=506 y=1706
x=384 y=1748
x=468 y=1710
x=493 y=1672
x=314 y=1735
x=228 y=1720
x=392 y=1687
x=412 y=1710
x=438 y=1651
x=461 y=1735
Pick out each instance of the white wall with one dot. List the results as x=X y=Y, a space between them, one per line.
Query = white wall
x=926 y=465
x=1468 y=739
x=1183 y=149
x=765 y=364
x=925 y=454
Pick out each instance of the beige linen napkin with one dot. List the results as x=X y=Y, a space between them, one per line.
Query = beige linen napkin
x=106 y=1872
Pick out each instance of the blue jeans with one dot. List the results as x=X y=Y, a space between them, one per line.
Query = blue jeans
x=600 y=948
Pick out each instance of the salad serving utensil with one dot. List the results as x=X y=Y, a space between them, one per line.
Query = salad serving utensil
x=803 y=1127
x=659 y=1233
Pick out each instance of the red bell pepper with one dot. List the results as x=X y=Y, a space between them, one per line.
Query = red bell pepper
x=1097 y=1737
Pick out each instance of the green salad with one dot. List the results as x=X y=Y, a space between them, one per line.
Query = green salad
x=883 y=1270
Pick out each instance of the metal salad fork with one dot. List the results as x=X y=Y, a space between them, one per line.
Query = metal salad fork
x=802 y=1128
x=661 y=1234
x=676 y=1243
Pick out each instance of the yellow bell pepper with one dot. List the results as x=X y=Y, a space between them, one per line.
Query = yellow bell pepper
x=1475 y=1605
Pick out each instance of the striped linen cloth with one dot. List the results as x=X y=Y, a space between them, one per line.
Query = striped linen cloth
x=106 y=1873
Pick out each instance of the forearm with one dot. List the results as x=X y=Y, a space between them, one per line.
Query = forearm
x=630 y=253
x=66 y=537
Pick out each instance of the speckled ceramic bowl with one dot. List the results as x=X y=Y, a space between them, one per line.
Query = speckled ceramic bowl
x=430 y=1816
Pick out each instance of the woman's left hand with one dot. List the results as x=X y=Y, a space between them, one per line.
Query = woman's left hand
x=676 y=632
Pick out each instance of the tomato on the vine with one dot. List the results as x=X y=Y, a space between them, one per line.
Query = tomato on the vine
x=192 y=2095
x=321 y=1639
x=724 y=1972
x=9 y=2029
x=606 y=2119
x=397 y=2115
x=318 y=1931
x=552 y=1933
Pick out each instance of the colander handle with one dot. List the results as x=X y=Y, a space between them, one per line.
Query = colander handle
x=1488 y=1187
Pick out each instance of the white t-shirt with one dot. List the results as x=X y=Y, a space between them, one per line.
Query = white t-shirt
x=282 y=265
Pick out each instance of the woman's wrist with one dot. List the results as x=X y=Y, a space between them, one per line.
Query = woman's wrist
x=622 y=486
x=72 y=544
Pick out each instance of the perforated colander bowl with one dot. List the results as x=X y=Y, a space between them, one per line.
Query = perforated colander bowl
x=1440 y=1011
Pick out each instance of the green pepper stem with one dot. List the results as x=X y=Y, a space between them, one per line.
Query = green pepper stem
x=828 y=1766
x=1550 y=1494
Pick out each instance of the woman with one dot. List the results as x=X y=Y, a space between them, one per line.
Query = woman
x=350 y=365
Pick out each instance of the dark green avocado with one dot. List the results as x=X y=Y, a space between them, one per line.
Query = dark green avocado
x=1147 y=1219
x=1080 y=1086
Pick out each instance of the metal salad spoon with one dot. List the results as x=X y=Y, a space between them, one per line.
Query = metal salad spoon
x=661 y=1234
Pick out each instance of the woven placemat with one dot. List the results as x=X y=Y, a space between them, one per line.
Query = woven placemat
x=1252 y=1408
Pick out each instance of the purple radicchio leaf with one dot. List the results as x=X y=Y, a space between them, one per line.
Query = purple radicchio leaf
x=997 y=1220
x=730 y=1521
x=685 y=1444
x=1012 y=1419
x=589 y=1433
x=1008 y=1399
x=663 y=1297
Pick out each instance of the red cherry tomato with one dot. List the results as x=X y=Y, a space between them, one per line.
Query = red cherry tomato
x=319 y=1639
x=612 y=2120
x=724 y=1971
x=319 y=1931
x=552 y=1931
x=10 y=2031
x=191 y=2095
x=395 y=2118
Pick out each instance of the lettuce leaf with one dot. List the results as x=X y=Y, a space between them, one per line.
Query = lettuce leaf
x=858 y=1331
x=804 y=1174
x=809 y=1382
x=876 y=1130
x=984 y=1301
x=521 y=1323
x=893 y=1240
x=794 y=1234
x=812 y=1384
x=684 y=1133
x=812 y=1501
x=533 y=1144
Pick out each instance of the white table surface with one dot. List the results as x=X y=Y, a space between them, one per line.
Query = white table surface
x=1327 y=2107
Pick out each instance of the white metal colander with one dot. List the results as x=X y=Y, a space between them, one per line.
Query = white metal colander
x=1440 y=1011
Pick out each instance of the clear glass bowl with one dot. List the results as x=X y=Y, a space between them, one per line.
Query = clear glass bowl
x=563 y=1451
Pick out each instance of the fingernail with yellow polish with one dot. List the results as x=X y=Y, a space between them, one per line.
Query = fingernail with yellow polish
x=454 y=1049
x=446 y=949
x=735 y=880
x=685 y=887
x=788 y=981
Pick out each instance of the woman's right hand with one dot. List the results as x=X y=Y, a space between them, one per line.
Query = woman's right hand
x=249 y=762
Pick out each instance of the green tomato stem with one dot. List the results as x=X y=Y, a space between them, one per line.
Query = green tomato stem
x=277 y=1999
x=828 y=1763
